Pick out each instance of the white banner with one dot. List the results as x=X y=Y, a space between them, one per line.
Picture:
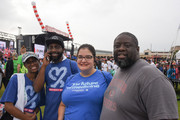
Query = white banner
x=11 y=45
x=178 y=55
x=39 y=50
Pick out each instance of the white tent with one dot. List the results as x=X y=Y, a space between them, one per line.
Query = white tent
x=178 y=55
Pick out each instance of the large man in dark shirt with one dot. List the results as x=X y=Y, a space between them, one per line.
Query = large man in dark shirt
x=138 y=90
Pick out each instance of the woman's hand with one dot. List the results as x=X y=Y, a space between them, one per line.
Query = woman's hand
x=11 y=109
x=30 y=116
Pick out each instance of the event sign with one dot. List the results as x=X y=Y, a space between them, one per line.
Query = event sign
x=39 y=50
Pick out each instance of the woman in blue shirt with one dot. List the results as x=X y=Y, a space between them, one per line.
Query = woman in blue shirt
x=21 y=101
x=82 y=97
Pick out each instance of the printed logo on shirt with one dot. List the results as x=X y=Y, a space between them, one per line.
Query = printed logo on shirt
x=83 y=86
x=119 y=84
x=114 y=89
x=55 y=90
x=31 y=97
x=109 y=104
x=111 y=93
x=28 y=110
x=57 y=75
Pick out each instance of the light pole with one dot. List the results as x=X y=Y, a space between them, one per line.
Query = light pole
x=19 y=28
x=173 y=49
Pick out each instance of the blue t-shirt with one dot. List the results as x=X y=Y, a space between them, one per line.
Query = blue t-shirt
x=55 y=78
x=83 y=96
x=33 y=99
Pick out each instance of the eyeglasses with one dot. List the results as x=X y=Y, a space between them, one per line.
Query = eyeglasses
x=57 y=47
x=87 y=57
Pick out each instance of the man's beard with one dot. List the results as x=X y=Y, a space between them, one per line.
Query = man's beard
x=124 y=63
x=56 y=59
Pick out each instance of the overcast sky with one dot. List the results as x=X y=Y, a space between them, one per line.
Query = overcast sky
x=154 y=22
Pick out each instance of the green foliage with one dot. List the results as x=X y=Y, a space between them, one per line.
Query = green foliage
x=178 y=98
x=178 y=108
x=2 y=90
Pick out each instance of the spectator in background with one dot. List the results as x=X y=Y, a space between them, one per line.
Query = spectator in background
x=105 y=66
x=41 y=61
x=15 y=61
x=98 y=63
x=11 y=67
x=171 y=73
x=110 y=65
x=1 y=68
x=165 y=69
x=20 y=66
x=160 y=67
x=177 y=75
x=115 y=67
x=1 y=61
x=177 y=72
x=152 y=63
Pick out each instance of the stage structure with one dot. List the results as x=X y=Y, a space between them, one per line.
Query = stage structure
x=29 y=41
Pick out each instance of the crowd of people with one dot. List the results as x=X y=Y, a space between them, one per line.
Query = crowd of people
x=11 y=64
x=169 y=68
x=91 y=88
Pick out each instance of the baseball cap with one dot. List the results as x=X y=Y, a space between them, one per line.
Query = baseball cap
x=28 y=55
x=55 y=39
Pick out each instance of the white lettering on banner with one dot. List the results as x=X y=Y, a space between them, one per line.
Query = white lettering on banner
x=57 y=73
x=32 y=101
x=83 y=86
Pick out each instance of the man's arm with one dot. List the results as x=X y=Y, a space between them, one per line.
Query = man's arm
x=39 y=81
x=157 y=93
